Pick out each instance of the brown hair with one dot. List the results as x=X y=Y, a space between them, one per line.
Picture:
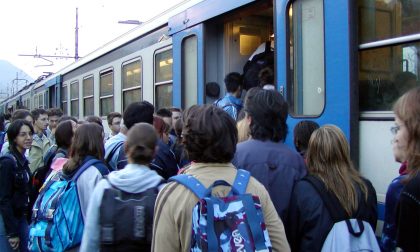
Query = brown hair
x=87 y=141
x=160 y=126
x=328 y=158
x=407 y=109
x=141 y=143
x=209 y=134
x=110 y=117
x=64 y=134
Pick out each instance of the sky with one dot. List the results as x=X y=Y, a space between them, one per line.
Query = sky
x=47 y=27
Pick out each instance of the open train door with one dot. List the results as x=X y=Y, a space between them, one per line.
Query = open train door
x=190 y=30
x=315 y=64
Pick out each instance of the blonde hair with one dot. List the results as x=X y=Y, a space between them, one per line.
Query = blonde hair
x=328 y=158
x=243 y=130
x=407 y=109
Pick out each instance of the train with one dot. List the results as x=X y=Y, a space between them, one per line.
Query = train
x=341 y=62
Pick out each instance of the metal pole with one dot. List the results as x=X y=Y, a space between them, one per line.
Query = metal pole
x=76 y=53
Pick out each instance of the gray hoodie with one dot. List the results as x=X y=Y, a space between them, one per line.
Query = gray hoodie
x=133 y=178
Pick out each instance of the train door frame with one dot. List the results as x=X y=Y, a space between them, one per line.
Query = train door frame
x=182 y=97
x=340 y=70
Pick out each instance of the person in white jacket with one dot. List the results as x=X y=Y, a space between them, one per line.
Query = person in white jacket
x=136 y=177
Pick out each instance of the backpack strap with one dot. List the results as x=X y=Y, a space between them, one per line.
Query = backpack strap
x=86 y=165
x=331 y=202
x=191 y=183
x=241 y=181
x=112 y=152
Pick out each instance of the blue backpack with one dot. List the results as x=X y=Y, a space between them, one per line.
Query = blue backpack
x=57 y=221
x=231 y=223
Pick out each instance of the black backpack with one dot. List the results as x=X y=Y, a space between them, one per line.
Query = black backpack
x=126 y=219
x=253 y=67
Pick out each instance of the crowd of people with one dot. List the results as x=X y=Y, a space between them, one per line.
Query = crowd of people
x=147 y=155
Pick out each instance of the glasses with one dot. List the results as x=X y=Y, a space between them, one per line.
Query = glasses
x=395 y=129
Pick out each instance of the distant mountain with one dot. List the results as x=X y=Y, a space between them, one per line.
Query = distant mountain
x=8 y=73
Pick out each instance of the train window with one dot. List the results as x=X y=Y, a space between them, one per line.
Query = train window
x=189 y=71
x=64 y=99
x=36 y=101
x=106 y=91
x=389 y=62
x=163 y=79
x=41 y=101
x=88 y=105
x=74 y=99
x=131 y=82
x=385 y=19
x=306 y=88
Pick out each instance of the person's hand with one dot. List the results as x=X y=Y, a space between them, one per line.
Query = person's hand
x=14 y=242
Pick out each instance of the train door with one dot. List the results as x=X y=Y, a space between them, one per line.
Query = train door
x=211 y=39
x=188 y=67
x=315 y=56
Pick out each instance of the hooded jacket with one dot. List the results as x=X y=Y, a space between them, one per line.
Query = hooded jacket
x=133 y=178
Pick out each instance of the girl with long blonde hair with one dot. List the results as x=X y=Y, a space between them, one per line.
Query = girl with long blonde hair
x=328 y=161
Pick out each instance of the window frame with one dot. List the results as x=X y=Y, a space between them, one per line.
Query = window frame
x=102 y=73
x=140 y=87
x=161 y=83
x=292 y=96
x=72 y=99
x=64 y=101
x=85 y=97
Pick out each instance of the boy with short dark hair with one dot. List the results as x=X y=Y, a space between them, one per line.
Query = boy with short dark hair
x=40 y=143
x=301 y=135
x=54 y=115
x=231 y=102
x=114 y=123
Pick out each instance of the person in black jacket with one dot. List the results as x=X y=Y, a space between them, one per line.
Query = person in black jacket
x=265 y=155
x=14 y=188
x=328 y=159
x=407 y=140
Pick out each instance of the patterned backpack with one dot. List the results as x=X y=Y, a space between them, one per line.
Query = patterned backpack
x=231 y=223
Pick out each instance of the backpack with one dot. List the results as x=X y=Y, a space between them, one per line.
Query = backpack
x=231 y=223
x=57 y=221
x=253 y=67
x=348 y=233
x=112 y=166
x=126 y=219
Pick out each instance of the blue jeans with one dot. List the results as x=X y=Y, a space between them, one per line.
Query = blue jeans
x=22 y=232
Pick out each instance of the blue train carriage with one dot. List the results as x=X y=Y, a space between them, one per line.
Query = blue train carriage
x=337 y=62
